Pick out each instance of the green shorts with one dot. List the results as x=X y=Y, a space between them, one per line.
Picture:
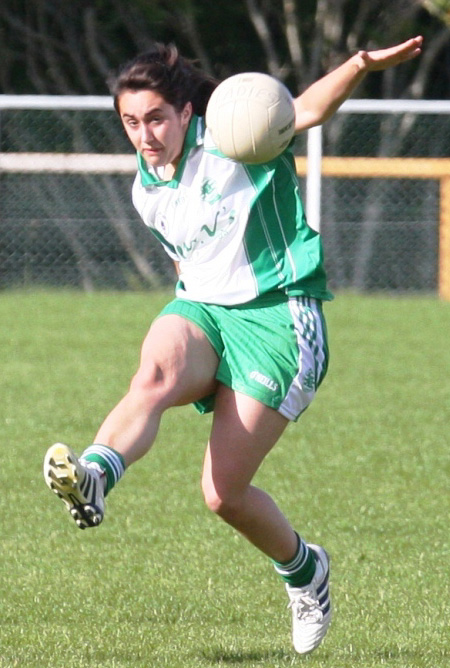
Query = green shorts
x=273 y=349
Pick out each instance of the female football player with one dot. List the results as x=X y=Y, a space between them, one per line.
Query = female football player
x=245 y=335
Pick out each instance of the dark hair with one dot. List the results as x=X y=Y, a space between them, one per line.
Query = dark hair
x=164 y=70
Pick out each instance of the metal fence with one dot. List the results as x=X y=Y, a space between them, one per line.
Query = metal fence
x=66 y=216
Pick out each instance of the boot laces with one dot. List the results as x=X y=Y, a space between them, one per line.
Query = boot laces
x=306 y=607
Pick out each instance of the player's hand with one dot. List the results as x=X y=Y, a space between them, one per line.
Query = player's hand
x=394 y=55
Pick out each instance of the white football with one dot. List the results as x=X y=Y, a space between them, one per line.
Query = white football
x=251 y=117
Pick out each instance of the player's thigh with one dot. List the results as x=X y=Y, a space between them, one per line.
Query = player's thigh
x=178 y=356
x=244 y=430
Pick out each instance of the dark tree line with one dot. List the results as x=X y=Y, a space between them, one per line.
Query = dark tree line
x=54 y=47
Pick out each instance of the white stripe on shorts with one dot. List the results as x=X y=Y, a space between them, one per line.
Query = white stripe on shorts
x=307 y=321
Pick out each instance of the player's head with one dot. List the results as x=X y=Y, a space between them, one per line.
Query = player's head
x=164 y=71
x=155 y=95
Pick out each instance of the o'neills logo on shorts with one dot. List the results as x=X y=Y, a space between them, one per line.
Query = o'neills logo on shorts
x=264 y=380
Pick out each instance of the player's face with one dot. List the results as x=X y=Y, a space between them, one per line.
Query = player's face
x=154 y=127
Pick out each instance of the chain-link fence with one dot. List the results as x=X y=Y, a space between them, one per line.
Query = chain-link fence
x=380 y=225
x=74 y=226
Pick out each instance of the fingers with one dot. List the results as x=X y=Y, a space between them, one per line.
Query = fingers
x=394 y=55
x=412 y=47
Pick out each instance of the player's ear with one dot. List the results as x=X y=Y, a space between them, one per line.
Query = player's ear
x=186 y=114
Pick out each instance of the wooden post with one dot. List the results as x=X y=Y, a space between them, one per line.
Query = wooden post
x=444 y=238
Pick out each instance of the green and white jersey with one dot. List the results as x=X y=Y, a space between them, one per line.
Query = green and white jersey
x=238 y=231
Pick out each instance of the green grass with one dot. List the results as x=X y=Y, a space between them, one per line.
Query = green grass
x=163 y=582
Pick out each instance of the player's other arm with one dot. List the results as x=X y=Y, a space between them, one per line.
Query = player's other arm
x=320 y=100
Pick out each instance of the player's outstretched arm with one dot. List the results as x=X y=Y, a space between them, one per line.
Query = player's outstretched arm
x=320 y=101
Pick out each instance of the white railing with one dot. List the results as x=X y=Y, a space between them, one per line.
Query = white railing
x=314 y=166
x=314 y=173
x=314 y=144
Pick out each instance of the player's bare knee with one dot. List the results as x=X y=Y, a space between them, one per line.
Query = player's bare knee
x=154 y=383
x=223 y=503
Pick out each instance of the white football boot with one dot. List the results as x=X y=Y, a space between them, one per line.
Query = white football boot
x=311 y=606
x=79 y=484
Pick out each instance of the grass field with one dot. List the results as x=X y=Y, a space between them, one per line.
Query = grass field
x=162 y=582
